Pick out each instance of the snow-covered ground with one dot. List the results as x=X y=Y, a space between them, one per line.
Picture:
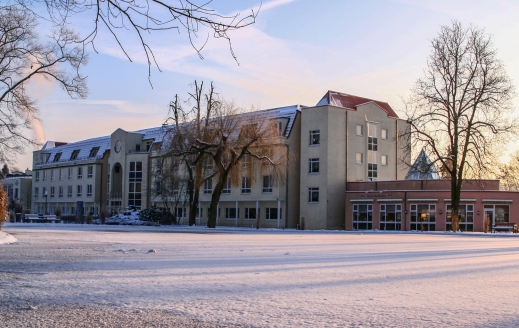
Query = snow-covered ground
x=268 y=278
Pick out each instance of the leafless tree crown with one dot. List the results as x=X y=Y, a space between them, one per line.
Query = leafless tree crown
x=459 y=111
x=23 y=56
x=196 y=18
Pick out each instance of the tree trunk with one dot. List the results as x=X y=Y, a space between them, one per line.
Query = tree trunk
x=455 y=204
x=215 y=199
x=193 y=210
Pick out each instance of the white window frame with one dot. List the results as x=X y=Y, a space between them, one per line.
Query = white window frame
x=229 y=215
x=227 y=186
x=267 y=184
x=359 y=130
x=359 y=158
x=313 y=141
x=246 y=185
x=89 y=190
x=311 y=168
x=383 y=160
x=208 y=186
x=311 y=193
x=383 y=134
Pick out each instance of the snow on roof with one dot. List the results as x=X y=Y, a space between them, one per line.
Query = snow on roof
x=287 y=112
x=343 y=100
x=423 y=169
x=84 y=149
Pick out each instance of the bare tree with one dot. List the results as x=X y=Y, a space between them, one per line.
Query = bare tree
x=22 y=58
x=219 y=141
x=460 y=110
x=4 y=202
x=196 y=18
x=509 y=173
x=238 y=138
x=187 y=125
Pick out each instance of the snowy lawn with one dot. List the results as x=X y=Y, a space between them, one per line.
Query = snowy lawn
x=269 y=278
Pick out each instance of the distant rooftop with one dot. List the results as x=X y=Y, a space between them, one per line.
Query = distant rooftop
x=423 y=169
x=347 y=101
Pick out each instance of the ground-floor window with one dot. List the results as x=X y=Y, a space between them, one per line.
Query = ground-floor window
x=250 y=213
x=423 y=217
x=363 y=217
x=390 y=217
x=466 y=217
x=180 y=212
x=230 y=213
x=272 y=213
x=496 y=214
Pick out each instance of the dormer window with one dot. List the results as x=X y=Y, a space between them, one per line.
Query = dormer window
x=74 y=155
x=93 y=152
x=57 y=157
x=137 y=147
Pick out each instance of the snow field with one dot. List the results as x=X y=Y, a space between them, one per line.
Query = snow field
x=269 y=278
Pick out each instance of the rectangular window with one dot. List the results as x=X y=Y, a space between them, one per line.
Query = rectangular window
x=37 y=176
x=61 y=176
x=90 y=171
x=44 y=175
x=36 y=192
x=227 y=186
x=363 y=217
x=313 y=165
x=44 y=192
x=208 y=164
x=89 y=190
x=315 y=137
x=383 y=134
x=148 y=145
x=176 y=187
x=272 y=213
x=267 y=183
x=135 y=185
x=69 y=191
x=383 y=160
x=390 y=217
x=250 y=213
x=245 y=185
x=230 y=213
x=52 y=191
x=70 y=173
x=245 y=162
x=208 y=186
x=423 y=217
x=79 y=172
x=372 y=152
x=180 y=212
x=358 y=158
x=52 y=177
x=465 y=220
x=79 y=190
x=358 y=130
x=313 y=195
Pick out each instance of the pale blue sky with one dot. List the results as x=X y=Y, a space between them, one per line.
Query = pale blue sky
x=295 y=52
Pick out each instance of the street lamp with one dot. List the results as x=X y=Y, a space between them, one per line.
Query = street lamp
x=45 y=195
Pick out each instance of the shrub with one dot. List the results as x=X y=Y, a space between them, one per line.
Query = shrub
x=156 y=214
x=58 y=212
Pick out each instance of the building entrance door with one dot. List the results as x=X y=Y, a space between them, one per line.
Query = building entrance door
x=488 y=220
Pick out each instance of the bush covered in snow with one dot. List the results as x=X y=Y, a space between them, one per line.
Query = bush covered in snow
x=158 y=215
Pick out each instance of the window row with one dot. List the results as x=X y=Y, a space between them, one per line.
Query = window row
x=423 y=216
x=62 y=173
x=267 y=185
x=372 y=159
x=51 y=193
x=233 y=213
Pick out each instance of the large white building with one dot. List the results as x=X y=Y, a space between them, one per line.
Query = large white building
x=341 y=139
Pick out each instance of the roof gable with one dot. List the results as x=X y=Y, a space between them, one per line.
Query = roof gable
x=337 y=99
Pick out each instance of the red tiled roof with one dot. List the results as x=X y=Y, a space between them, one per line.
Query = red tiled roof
x=338 y=99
